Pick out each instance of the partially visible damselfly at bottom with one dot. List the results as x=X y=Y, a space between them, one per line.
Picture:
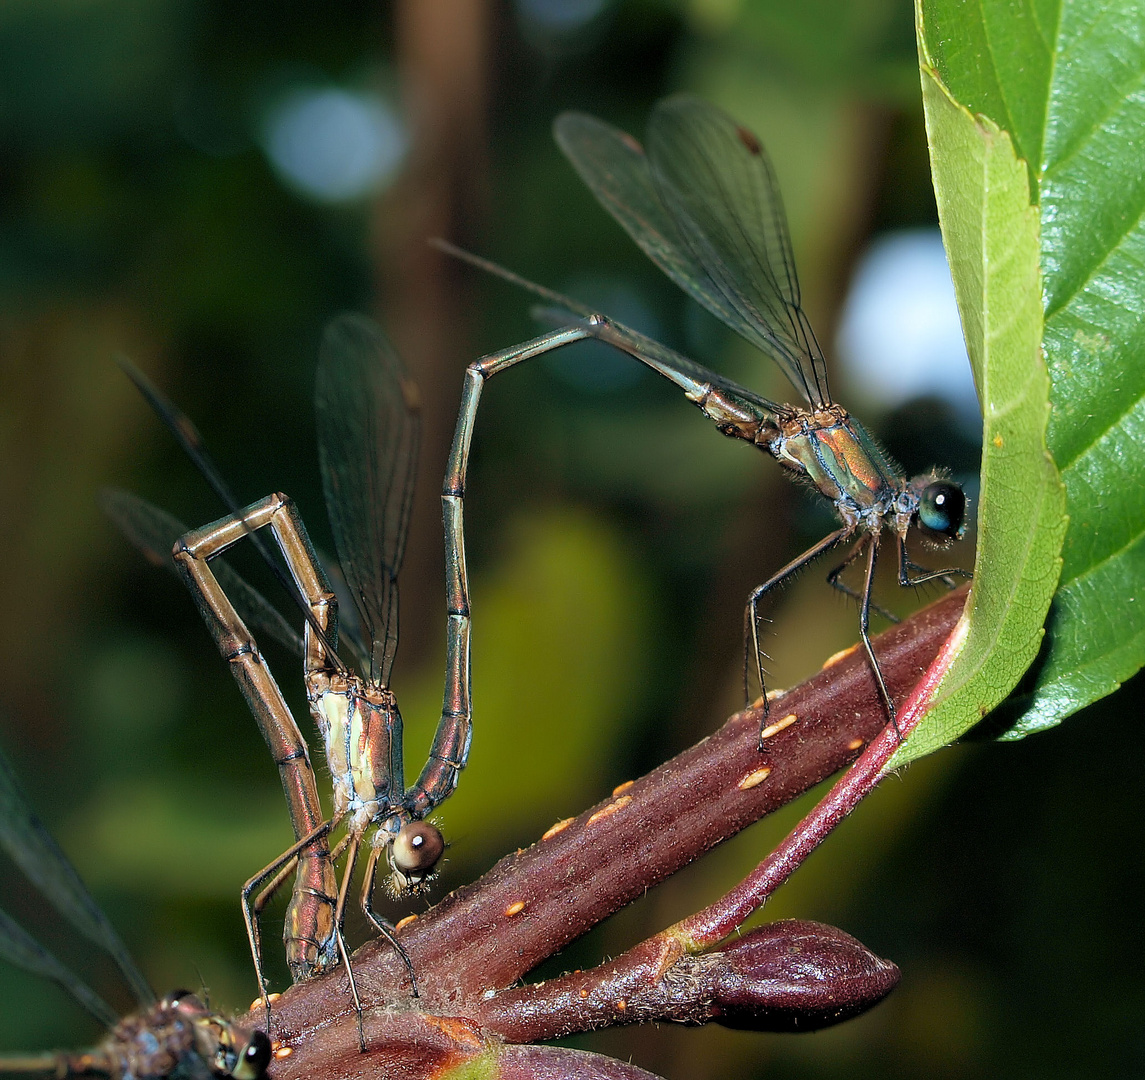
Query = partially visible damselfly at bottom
x=174 y=1037
x=368 y=426
x=703 y=204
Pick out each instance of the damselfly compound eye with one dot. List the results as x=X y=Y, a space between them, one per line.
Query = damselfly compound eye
x=416 y=849
x=254 y=1059
x=942 y=509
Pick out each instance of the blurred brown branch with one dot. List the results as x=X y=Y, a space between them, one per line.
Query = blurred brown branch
x=442 y=52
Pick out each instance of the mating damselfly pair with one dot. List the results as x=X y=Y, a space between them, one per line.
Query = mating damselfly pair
x=701 y=200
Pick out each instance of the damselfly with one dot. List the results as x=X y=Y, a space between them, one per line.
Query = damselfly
x=702 y=202
x=177 y=1036
x=368 y=426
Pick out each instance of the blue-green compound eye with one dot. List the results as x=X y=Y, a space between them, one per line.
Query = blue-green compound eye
x=941 y=509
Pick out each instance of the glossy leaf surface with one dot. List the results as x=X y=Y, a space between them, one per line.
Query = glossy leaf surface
x=991 y=234
x=1064 y=79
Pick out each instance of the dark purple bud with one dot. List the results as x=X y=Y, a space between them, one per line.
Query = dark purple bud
x=792 y=976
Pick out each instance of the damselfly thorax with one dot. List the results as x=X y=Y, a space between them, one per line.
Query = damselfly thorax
x=361 y=728
x=177 y=1037
x=831 y=450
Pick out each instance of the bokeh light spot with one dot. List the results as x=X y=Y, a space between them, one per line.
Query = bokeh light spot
x=899 y=336
x=560 y=16
x=333 y=145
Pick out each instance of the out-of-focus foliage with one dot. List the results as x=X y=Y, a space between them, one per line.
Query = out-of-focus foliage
x=614 y=534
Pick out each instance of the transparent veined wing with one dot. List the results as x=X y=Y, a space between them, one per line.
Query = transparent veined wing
x=717 y=183
x=153 y=532
x=30 y=845
x=23 y=950
x=369 y=424
x=702 y=252
x=188 y=437
x=349 y=621
x=614 y=166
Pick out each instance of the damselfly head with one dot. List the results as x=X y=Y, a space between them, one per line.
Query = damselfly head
x=253 y=1057
x=230 y=1050
x=413 y=856
x=941 y=510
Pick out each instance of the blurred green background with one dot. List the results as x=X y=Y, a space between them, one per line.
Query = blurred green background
x=148 y=205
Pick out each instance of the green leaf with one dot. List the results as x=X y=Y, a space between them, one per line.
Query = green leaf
x=991 y=234
x=479 y=1066
x=1065 y=78
x=964 y=42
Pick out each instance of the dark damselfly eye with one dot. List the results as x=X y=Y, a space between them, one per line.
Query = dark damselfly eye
x=417 y=847
x=254 y=1059
x=942 y=509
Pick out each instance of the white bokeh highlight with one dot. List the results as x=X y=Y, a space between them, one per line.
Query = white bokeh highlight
x=333 y=145
x=899 y=335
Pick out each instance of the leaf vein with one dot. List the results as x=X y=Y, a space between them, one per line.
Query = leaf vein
x=1085 y=137
x=1110 y=251
x=1105 y=560
x=1114 y=426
